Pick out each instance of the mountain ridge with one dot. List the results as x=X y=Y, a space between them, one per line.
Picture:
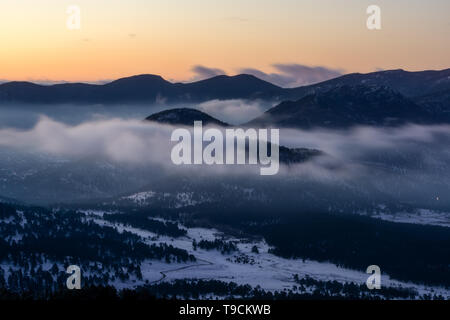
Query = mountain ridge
x=346 y=106
x=148 y=88
x=144 y=88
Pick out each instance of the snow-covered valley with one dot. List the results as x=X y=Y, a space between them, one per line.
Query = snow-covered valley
x=263 y=269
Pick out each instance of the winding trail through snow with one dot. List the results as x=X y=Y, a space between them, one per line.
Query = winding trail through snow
x=164 y=273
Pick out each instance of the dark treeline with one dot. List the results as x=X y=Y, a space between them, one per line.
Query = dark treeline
x=58 y=236
x=200 y=289
x=354 y=290
x=143 y=221
x=37 y=245
x=225 y=247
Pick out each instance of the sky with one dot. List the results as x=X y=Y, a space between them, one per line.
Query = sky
x=181 y=39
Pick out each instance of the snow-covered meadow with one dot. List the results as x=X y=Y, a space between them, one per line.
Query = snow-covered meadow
x=263 y=269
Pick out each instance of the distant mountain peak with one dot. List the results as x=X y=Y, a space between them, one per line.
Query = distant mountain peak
x=141 y=78
x=241 y=79
x=344 y=106
x=184 y=116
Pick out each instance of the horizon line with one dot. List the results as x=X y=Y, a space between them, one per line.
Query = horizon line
x=49 y=83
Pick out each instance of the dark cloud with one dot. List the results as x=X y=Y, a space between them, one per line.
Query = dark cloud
x=275 y=78
x=294 y=75
x=202 y=72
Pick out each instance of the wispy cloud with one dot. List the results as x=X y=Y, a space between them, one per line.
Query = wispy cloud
x=234 y=111
x=294 y=75
x=407 y=163
x=202 y=72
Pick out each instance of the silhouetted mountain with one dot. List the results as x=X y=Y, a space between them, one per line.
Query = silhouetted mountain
x=346 y=106
x=137 y=88
x=437 y=103
x=409 y=84
x=141 y=89
x=224 y=87
x=429 y=89
x=184 y=116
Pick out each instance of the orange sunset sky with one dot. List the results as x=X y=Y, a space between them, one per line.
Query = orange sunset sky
x=168 y=37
